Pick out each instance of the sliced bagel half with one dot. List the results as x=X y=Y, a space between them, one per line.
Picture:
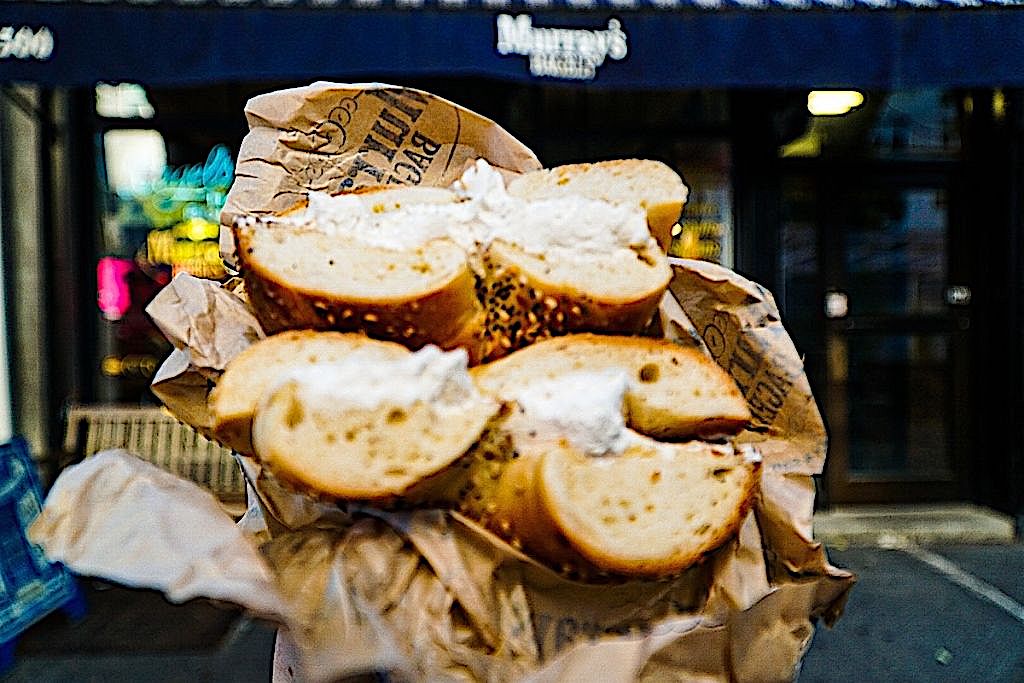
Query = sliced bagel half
x=299 y=278
x=650 y=184
x=652 y=511
x=259 y=368
x=673 y=391
x=532 y=296
x=370 y=428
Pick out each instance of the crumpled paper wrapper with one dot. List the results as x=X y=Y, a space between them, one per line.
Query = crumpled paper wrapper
x=337 y=137
x=208 y=325
x=429 y=594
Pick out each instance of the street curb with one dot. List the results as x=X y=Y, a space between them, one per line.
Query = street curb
x=887 y=526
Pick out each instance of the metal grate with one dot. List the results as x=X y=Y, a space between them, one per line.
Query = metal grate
x=157 y=437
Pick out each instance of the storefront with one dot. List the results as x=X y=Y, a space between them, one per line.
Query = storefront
x=890 y=234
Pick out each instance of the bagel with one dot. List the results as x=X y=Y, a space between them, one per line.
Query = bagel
x=370 y=425
x=472 y=267
x=674 y=392
x=652 y=185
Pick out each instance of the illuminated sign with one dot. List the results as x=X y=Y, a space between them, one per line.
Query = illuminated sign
x=216 y=173
x=113 y=294
x=705 y=230
x=23 y=42
x=567 y=53
x=186 y=248
x=183 y=208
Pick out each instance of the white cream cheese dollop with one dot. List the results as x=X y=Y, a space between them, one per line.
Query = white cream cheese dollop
x=367 y=379
x=352 y=218
x=483 y=211
x=585 y=408
x=571 y=223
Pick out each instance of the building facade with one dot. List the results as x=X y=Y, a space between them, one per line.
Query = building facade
x=889 y=234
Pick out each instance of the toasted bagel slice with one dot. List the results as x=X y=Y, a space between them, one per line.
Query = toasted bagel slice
x=251 y=374
x=370 y=428
x=673 y=391
x=650 y=184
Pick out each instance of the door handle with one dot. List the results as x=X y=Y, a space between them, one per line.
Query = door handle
x=837 y=304
x=958 y=295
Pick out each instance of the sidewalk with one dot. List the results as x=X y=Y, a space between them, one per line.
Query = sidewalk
x=131 y=635
x=926 y=614
x=920 y=612
x=939 y=596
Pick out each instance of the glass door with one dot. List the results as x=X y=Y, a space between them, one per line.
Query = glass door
x=877 y=253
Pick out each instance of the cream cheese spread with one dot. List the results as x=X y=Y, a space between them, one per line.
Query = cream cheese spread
x=585 y=408
x=367 y=379
x=479 y=212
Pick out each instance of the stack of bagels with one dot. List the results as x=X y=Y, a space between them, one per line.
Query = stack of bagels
x=477 y=348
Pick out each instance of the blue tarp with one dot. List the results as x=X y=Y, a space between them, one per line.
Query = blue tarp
x=610 y=43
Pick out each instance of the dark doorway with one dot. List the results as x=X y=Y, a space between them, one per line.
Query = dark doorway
x=871 y=290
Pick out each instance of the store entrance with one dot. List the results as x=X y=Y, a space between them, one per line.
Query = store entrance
x=873 y=295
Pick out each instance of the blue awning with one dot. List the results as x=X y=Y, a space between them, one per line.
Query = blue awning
x=609 y=43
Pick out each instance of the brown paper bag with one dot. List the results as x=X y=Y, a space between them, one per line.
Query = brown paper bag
x=335 y=137
x=429 y=595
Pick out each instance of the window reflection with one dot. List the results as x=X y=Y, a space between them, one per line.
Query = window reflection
x=895 y=252
x=900 y=415
x=901 y=124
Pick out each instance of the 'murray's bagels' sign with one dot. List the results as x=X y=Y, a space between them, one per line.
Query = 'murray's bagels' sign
x=570 y=53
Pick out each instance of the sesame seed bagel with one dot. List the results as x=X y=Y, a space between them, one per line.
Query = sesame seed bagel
x=344 y=416
x=529 y=297
x=409 y=272
x=566 y=476
x=298 y=278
